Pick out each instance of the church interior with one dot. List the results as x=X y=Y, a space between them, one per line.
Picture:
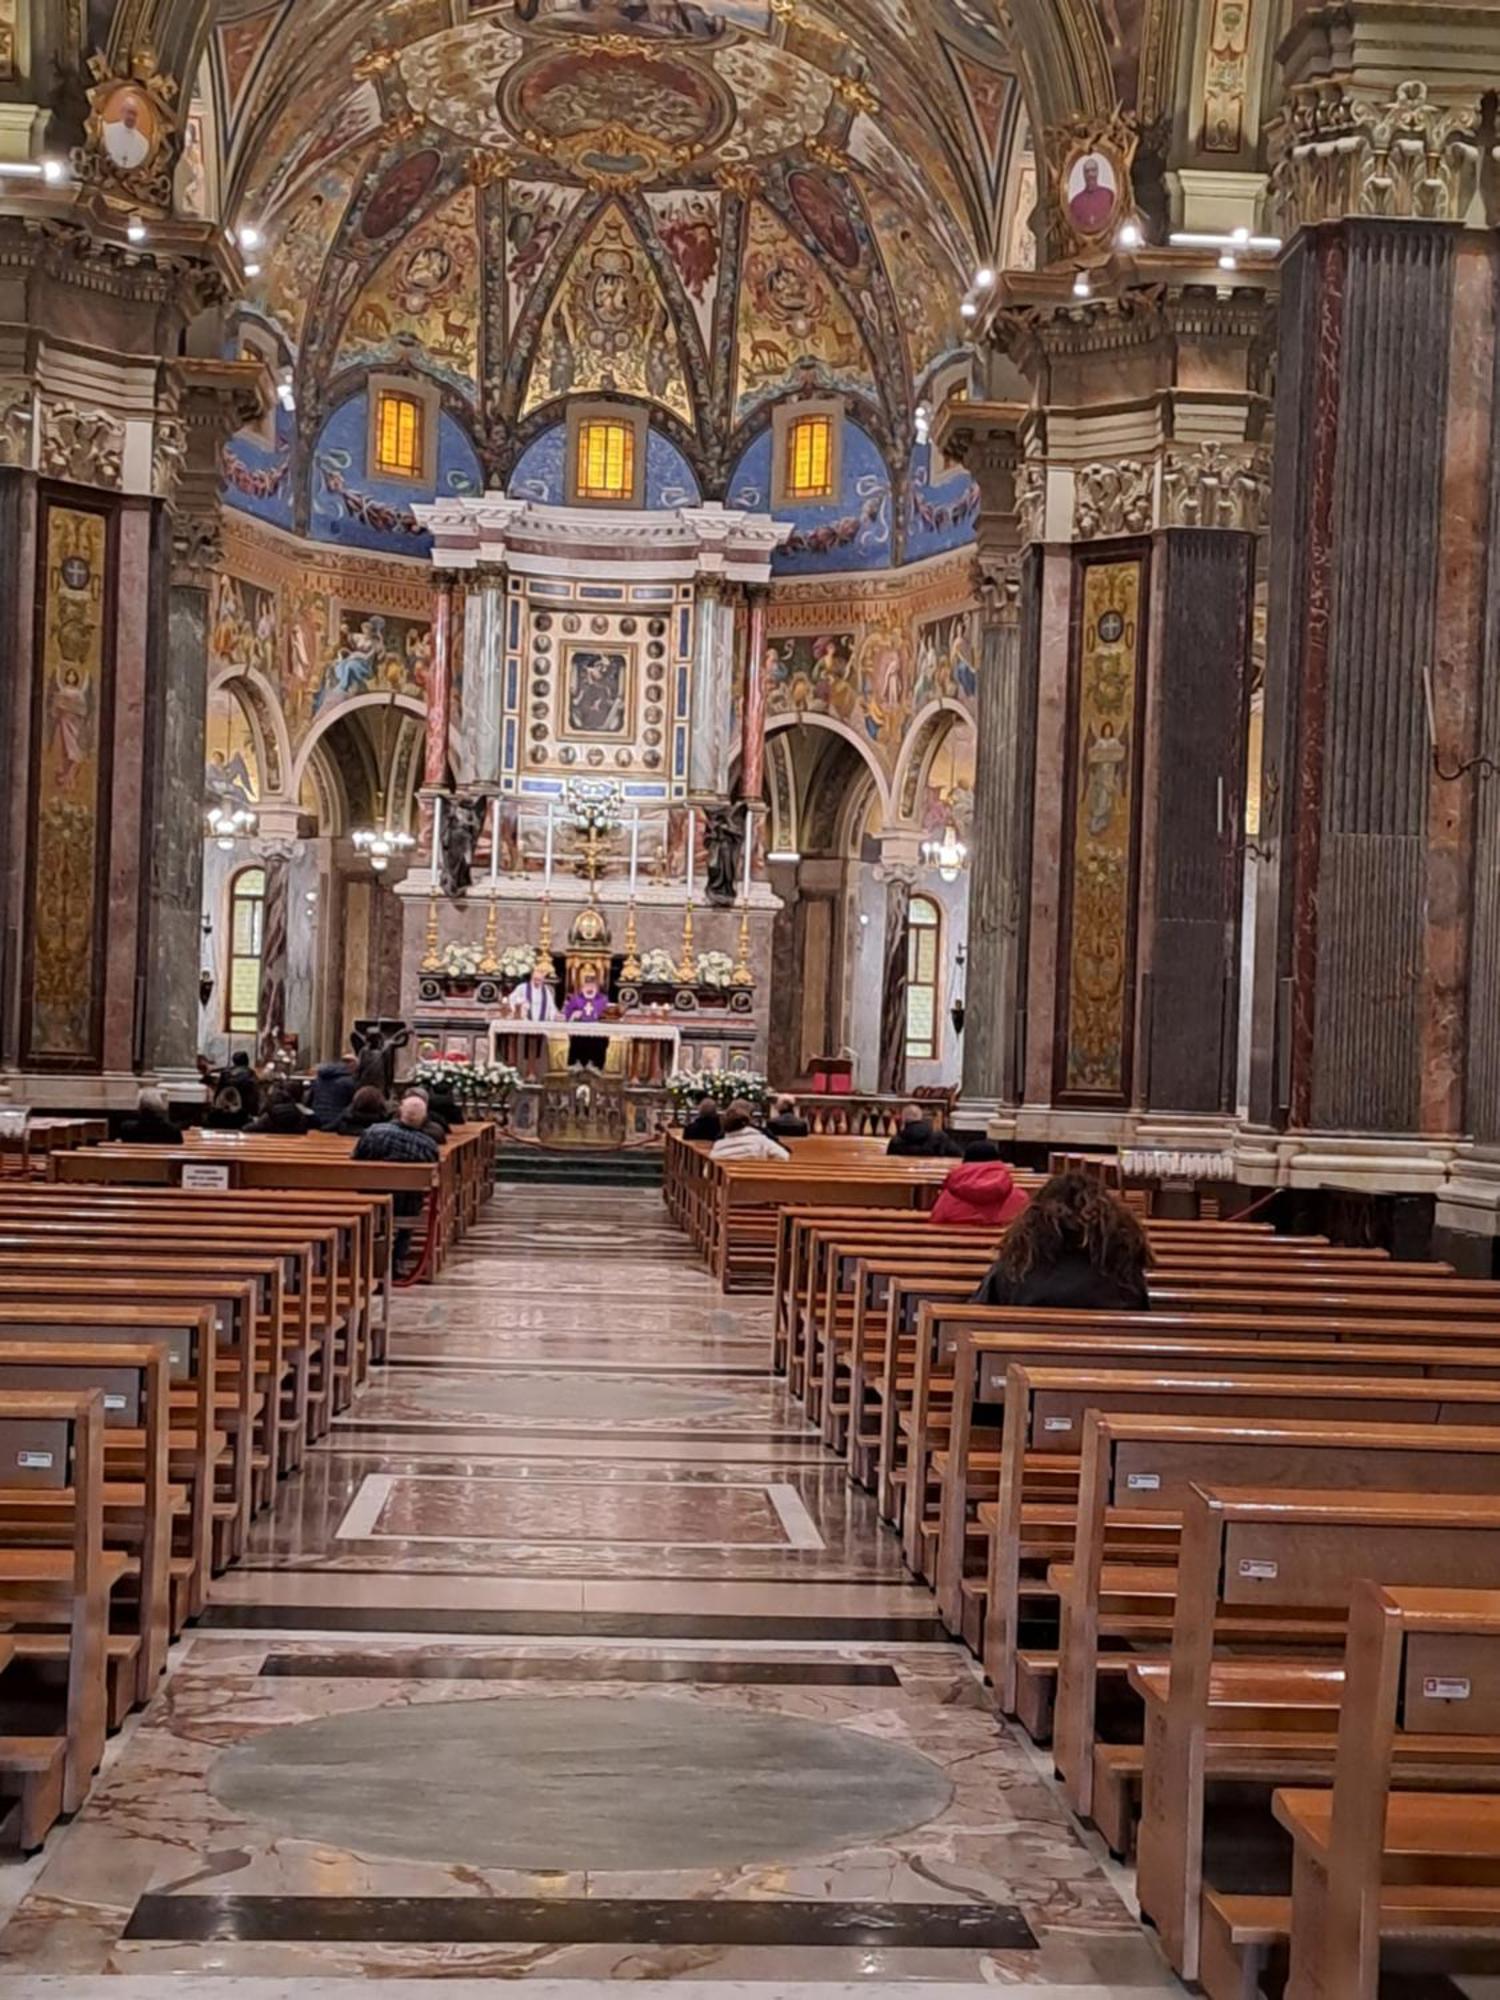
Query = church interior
x=722 y=724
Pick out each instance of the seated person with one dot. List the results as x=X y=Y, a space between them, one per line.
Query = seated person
x=534 y=999
x=742 y=1140
x=786 y=1121
x=403 y=1141
x=446 y=1108
x=706 y=1125
x=285 y=1114
x=920 y=1139
x=152 y=1124
x=369 y=1108
x=981 y=1192
x=234 y=1097
x=1076 y=1247
x=333 y=1089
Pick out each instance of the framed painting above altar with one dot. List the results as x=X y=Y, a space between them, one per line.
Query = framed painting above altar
x=598 y=689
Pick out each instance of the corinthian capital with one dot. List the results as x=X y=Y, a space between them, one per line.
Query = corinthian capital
x=1338 y=153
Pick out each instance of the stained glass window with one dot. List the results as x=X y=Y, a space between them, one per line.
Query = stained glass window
x=809 y=459
x=606 y=460
x=247 y=915
x=923 y=931
x=398 y=435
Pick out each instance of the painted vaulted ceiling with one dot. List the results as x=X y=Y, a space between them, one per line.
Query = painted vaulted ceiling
x=704 y=204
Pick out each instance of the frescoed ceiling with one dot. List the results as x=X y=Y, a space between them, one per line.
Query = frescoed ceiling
x=705 y=204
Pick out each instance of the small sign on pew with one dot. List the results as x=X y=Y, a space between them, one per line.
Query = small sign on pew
x=204 y=1174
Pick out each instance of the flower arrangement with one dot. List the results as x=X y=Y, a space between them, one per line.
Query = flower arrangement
x=658 y=968
x=517 y=960
x=715 y=968
x=461 y=961
x=722 y=1085
x=470 y=1082
x=594 y=808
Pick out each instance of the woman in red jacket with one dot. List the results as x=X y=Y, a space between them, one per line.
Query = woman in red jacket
x=982 y=1191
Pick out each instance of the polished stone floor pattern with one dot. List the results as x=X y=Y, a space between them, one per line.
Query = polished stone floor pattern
x=571 y=1657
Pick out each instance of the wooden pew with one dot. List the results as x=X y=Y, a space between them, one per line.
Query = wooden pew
x=1136 y=1474
x=52 y=1444
x=1293 y=1558
x=138 y=1498
x=1374 y=1866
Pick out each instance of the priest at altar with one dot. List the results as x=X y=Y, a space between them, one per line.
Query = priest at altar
x=589 y=1003
x=534 y=999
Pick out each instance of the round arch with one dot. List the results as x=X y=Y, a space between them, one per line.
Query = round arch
x=926 y=736
x=326 y=720
x=831 y=723
x=262 y=704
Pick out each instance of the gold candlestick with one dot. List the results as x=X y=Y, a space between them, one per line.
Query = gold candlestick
x=687 y=965
x=489 y=965
x=544 y=960
x=742 y=976
x=630 y=971
x=432 y=958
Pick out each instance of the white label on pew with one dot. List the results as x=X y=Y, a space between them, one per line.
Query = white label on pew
x=34 y=1461
x=1442 y=1687
x=204 y=1174
x=1143 y=1482
x=1057 y=1423
x=114 y=1402
x=1256 y=1569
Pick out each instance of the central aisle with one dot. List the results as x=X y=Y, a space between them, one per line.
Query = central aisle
x=572 y=1655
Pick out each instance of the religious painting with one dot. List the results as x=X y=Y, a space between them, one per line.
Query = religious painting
x=597 y=690
x=293 y=264
x=535 y=214
x=240 y=43
x=70 y=776
x=244 y=628
x=947 y=655
x=231 y=771
x=674 y=20
x=926 y=286
x=309 y=622
x=948 y=796
x=616 y=114
x=398 y=192
x=376 y=654
x=609 y=328
x=805 y=674
x=424 y=296
x=687 y=222
x=1226 y=76
x=1092 y=193
x=794 y=329
x=1096 y=964
x=308 y=145
x=192 y=169
x=132 y=127
x=783 y=101
x=824 y=207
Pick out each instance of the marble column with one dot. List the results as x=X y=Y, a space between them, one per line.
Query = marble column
x=900 y=877
x=439 y=687
x=985 y=438
x=753 y=733
x=1376 y=913
x=17 y=606
x=713 y=692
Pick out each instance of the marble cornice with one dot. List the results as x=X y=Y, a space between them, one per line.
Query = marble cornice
x=1130 y=314
x=185 y=267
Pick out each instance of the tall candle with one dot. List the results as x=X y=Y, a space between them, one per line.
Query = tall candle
x=548 y=883
x=437 y=822
x=495 y=846
x=635 y=846
x=749 y=850
x=692 y=827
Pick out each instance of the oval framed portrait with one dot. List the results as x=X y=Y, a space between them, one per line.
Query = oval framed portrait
x=1091 y=190
x=131 y=128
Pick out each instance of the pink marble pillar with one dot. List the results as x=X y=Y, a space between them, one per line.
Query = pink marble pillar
x=439 y=700
x=753 y=743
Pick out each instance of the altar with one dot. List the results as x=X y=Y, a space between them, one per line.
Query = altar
x=646 y=1053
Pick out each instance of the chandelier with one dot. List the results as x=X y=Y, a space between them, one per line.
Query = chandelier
x=948 y=856
x=380 y=843
x=227 y=824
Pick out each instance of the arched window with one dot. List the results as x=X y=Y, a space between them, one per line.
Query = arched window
x=924 y=933
x=247 y=918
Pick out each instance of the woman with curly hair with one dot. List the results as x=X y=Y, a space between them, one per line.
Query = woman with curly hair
x=1077 y=1247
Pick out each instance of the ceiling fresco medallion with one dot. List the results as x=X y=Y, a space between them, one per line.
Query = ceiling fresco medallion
x=668 y=20
x=616 y=115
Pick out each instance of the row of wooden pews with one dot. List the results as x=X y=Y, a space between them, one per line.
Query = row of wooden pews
x=1220 y=1556
x=167 y=1353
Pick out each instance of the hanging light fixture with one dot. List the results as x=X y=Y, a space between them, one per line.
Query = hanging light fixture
x=227 y=824
x=381 y=843
x=948 y=856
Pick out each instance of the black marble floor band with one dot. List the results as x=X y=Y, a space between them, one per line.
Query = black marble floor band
x=687 y=1673
x=566 y=1624
x=418 y=1427
x=576 y=1920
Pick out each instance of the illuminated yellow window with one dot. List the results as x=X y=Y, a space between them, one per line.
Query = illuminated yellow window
x=809 y=459
x=606 y=460
x=924 y=930
x=398 y=434
x=247 y=920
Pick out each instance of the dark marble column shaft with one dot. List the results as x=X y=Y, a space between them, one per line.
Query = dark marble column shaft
x=894 y=987
x=17 y=568
x=1355 y=953
x=1001 y=809
x=1203 y=587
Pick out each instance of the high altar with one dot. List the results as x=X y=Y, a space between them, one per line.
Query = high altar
x=596 y=714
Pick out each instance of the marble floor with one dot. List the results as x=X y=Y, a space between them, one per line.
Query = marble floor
x=571 y=1657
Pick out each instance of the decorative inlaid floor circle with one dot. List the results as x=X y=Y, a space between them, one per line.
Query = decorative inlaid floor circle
x=567 y=1398
x=633 y=1783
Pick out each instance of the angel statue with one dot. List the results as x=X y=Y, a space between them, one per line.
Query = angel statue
x=463 y=817
x=724 y=832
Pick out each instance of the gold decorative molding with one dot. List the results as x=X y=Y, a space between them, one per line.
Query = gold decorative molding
x=1216 y=486
x=82 y=444
x=1336 y=154
x=1112 y=498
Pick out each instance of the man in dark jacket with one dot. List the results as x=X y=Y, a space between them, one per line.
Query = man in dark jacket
x=705 y=1124
x=786 y=1121
x=403 y=1140
x=152 y=1124
x=333 y=1091
x=920 y=1139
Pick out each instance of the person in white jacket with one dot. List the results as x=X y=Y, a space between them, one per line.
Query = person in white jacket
x=743 y=1140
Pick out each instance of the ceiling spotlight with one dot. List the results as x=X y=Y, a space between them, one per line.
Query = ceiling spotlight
x=135 y=229
x=985 y=277
x=1130 y=237
x=54 y=172
x=250 y=238
x=1082 y=289
x=969 y=310
x=252 y=270
x=1240 y=235
x=1228 y=261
